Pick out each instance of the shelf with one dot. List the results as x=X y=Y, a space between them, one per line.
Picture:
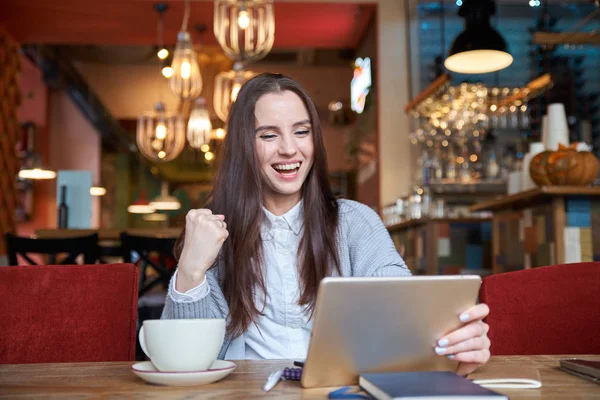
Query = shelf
x=422 y=221
x=533 y=195
x=491 y=187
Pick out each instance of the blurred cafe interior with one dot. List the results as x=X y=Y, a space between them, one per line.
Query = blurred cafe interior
x=478 y=162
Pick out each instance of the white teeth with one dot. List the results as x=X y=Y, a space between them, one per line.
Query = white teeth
x=287 y=167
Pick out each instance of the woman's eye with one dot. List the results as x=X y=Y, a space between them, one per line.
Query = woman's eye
x=303 y=132
x=267 y=136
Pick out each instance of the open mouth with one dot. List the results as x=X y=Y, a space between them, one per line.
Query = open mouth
x=287 y=170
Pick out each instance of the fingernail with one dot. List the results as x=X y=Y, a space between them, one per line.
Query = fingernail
x=443 y=342
x=451 y=357
x=464 y=317
x=440 y=350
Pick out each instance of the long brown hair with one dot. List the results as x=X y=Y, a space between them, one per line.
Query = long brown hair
x=237 y=194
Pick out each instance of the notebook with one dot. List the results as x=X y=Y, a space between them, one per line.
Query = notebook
x=430 y=385
x=586 y=369
x=500 y=377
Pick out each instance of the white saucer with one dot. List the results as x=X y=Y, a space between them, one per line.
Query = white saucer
x=148 y=372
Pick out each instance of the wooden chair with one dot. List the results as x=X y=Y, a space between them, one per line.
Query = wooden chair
x=156 y=253
x=75 y=313
x=21 y=247
x=544 y=310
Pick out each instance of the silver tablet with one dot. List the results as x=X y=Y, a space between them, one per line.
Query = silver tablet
x=383 y=325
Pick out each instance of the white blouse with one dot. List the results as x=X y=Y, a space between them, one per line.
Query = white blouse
x=283 y=332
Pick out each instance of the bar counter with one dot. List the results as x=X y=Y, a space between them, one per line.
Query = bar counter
x=433 y=246
x=544 y=226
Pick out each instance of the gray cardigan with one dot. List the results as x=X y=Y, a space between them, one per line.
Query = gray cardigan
x=365 y=249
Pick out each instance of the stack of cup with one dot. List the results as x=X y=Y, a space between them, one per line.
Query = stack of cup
x=526 y=181
x=555 y=129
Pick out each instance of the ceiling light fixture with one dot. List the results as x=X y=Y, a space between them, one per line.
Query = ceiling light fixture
x=36 y=170
x=97 y=191
x=479 y=48
x=186 y=81
x=245 y=29
x=199 y=126
x=164 y=201
x=227 y=87
x=160 y=135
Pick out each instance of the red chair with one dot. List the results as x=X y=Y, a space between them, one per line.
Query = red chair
x=72 y=313
x=545 y=310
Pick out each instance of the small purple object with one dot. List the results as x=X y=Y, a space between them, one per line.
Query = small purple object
x=292 y=374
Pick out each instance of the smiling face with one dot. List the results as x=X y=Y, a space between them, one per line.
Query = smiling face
x=284 y=148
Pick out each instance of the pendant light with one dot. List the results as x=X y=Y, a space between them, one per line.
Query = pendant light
x=479 y=48
x=245 y=29
x=141 y=205
x=160 y=135
x=199 y=128
x=97 y=190
x=186 y=80
x=227 y=87
x=164 y=201
x=36 y=170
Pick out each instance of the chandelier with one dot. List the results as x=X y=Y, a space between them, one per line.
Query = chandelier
x=199 y=128
x=227 y=86
x=185 y=80
x=446 y=113
x=245 y=29
x=160 y=135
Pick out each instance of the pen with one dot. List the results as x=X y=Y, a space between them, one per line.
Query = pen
x=272 y=380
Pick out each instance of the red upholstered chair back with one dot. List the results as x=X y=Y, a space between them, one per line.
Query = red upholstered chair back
x=545 y=310
x=69 y=313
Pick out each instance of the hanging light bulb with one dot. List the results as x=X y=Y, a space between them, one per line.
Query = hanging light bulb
x=227 y=87
x=209 y=156
x=162 y=53
x=243 y=19
x=164 y=201
x=245 y=29
x=166 y=69
x=204 y=148
x=219 y=133
x=199 y=126
x=160 y=135
x=186 y=81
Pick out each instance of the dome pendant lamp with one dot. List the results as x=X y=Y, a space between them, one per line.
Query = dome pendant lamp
x=479 y=48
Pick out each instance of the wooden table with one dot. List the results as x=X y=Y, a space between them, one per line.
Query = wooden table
x=115 y=380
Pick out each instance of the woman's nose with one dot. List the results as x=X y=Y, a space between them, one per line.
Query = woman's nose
x=287 y=146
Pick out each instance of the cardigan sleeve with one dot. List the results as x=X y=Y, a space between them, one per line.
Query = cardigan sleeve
x=372 y=251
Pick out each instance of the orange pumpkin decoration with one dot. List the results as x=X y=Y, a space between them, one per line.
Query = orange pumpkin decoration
x=538 y=168
x=566 y=166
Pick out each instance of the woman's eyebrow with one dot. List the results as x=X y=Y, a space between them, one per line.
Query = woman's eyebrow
x=303 y=122
x=266 y=128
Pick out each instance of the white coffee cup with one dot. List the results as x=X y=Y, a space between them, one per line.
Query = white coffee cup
x=180 y=345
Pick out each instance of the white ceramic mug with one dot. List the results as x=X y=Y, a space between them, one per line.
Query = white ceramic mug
x=180 y=345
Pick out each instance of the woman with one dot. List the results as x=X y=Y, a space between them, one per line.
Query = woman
x=273 y=229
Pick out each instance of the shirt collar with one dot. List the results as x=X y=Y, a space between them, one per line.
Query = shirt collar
x=294 y=218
